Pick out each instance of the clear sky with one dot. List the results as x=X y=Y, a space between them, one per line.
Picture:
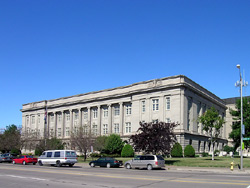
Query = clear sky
x=57 y=48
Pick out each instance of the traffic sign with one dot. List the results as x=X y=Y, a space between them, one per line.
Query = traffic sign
x=246 y=138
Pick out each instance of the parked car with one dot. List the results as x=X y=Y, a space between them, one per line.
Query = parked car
x=7 y=157
x=106 y=161
x=25 y=159
x=1 y=158
x=146 y=161
x=58 y=158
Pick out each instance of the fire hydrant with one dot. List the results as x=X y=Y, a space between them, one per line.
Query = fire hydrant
x=232 y=166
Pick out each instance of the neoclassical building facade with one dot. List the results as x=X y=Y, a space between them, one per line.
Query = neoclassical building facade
x=119 y=110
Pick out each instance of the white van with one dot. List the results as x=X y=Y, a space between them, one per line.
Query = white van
x=58 y=157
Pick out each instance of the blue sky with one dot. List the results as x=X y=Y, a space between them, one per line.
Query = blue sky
x=56 y=48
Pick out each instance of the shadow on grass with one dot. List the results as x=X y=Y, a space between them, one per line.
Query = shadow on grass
x=171 y=162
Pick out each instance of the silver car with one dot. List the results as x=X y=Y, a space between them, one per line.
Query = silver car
x=146 y=161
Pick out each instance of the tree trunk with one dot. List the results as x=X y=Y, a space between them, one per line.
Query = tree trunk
x=212 y=149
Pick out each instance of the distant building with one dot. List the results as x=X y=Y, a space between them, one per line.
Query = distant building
x=119 y=110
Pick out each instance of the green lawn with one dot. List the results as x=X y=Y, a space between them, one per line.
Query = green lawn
x=194 y=162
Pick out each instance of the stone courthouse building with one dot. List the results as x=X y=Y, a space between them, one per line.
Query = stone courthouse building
x=119 y=110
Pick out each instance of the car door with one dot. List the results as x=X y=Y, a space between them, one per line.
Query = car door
x=136 y=161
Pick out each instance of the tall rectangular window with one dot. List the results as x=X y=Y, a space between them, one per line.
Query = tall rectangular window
x=117 y=110
x=94 y=113
x=52 y=117
x=59 y=132
x=32 y=119
x=85 y=114
x=38 y=119
x=168 y=120
x=67 y=116
x=76 y=115
x=155 y=104
x=67 y=131
x=27 y=120
x=128 y=127
x=116 y=128
x=105 y=112
x=190 y=103
x=59 y=117
x=143 y=106
x=94 y=129
x=105 y=129
x=168 y=103
x=128 y=109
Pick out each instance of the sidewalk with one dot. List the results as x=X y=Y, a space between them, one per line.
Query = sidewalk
x=195 y=169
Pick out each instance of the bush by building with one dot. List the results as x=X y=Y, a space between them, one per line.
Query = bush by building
x=127 y=151
x=189 y=151
x=177 y=150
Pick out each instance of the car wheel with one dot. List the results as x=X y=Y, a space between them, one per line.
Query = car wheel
x=24 y=163
x=13 y=162
x=92 y=165
x=34 y=163
x=128 y=166
x=149 y=167
x=108 y=165
x=71 y=165
x=40 y=163
x=58 y=164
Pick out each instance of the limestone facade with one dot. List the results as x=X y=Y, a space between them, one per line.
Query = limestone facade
x=119 y=110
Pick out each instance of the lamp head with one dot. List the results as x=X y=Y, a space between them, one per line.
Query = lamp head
x=238 y=66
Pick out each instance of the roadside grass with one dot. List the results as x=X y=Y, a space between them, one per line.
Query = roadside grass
x=222 y=162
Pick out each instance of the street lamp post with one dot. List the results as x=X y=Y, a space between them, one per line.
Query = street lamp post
x=241 y=120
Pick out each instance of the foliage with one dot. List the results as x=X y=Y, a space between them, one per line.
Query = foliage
x=228 y=149
x=38 y=151
x=114 y=144
x=100 y=143
x=49 y=144
x=189 y=151
x=177 y=150
x=154 y=137
x=15 y=152
x=204 y=154
x=216 y=152
x=82 y=139
x=10 y=139
x=127 y=151
x=212 y=123
x=235 y=134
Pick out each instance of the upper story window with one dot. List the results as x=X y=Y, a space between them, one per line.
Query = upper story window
x=33 y=119
x=85 y=114
x=168 y=103
x=155 y=104
x=117 y=110
x=38 y=119
x=52 y=117
x=143 y=106
x=95 y=113
x=27 y=120
x=105 y=112
x=59 y=117
x=76 y=115
x=67 y=116
x=116 y=128
x=128 y=109
x=94 y=129
x=105 y=129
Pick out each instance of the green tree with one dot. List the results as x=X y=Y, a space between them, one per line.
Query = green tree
x=127 y=151
x=100 y=143
x=235 y=134
x=154 y=137
x=189 y=151
x=10 y=139
x=177 y=150
x=49 y=144
x=212 y=123
x=114 y=144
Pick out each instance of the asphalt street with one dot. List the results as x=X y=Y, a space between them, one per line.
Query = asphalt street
x=81 y=175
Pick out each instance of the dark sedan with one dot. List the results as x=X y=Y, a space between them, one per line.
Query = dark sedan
x=106 y=161
x=7 y=157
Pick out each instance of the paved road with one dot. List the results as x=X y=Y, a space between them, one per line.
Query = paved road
x=29 y=176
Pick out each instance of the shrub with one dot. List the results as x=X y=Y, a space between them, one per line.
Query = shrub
x=204 y=154
x=38 y=151
x=216 y=152
x=228 y=149
x=95 y=155
x=127 y=151
x=189 y=151
x=15 y=151
x=176 y=150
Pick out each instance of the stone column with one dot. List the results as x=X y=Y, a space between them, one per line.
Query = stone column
x=63 y=124
x=99 y=119
x=110 y=119
x=89 y=117
x=121 y=118
x=80 y=117
x=55 y=116
x=71 y=120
